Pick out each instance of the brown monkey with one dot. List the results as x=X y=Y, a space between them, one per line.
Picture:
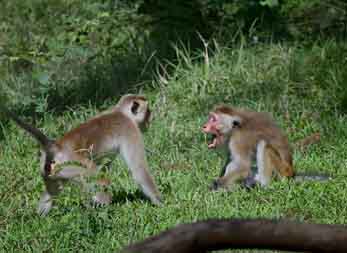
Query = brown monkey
x=249 y=134
x=117 y=130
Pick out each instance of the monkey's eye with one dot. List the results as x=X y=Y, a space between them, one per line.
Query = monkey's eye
x=135 y=106
x=212 y=118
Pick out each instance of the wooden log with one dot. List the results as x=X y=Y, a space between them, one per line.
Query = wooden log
x=211 y=235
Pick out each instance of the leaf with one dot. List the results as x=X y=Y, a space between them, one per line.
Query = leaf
x=42 y=78
x=103 y=15
x=269 y=3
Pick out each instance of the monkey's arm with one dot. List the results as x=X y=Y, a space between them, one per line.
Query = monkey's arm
x=245 y=234
x=133 y=152
x=237 y=169
x=224 y=168
x=249 y=182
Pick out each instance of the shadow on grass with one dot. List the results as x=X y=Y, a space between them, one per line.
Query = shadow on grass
x=121 y=196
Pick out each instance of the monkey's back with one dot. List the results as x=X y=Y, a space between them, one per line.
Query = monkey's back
x=264 y=127
x=96 y=132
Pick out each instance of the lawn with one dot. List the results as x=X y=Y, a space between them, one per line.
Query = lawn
x=300 y=86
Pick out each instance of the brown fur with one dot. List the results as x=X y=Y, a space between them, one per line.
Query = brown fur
x=260 y=125
x=96 y=132
x=243 y=138
x=117 y=130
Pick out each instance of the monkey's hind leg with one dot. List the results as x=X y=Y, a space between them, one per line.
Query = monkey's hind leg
x=266 y=160
x=279 y=165
x=70 y=167
x=53 y=187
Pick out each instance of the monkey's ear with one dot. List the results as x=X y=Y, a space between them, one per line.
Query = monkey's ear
x=134 y=107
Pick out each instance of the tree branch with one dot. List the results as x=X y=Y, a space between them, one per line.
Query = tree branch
x=210 y=235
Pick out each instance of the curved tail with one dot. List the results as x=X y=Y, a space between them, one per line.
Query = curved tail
x=44 y=141
x=286 y=169
x=211 y=235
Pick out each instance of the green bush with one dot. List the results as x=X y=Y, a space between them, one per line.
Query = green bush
x=56 y=54
x=64 y=53
x=263 y=18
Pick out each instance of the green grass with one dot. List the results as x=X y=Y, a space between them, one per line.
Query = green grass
x=301 y=87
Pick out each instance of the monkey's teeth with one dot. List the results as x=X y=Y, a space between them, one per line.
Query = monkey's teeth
x=213 y=144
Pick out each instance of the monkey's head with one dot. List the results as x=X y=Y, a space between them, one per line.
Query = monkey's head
x=137 y=108
x=222 y=121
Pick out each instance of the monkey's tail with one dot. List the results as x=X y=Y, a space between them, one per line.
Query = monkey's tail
x=44 y=141
x=301 y=177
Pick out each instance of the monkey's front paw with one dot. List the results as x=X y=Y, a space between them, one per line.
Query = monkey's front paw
x=249 y=183
x=158 y=201
x=261 y=179
x=44 y=207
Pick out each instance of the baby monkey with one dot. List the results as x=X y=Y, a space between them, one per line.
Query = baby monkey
x=117 y=130
x=248 y=135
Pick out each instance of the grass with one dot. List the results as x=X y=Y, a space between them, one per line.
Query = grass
x=301 y=87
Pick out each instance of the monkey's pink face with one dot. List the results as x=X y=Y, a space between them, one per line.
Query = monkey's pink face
x=213 y=127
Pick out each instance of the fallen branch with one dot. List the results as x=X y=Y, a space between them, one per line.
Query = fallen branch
x=210 y=235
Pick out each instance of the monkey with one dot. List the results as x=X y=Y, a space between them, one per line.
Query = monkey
x=221 y=234
x=117 y=130
x=248 y=135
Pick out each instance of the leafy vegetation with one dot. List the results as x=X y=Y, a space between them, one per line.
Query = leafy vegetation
x=64 y=61
x=58 y=54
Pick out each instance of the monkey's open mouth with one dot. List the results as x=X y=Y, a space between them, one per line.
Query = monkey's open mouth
x=215 y=140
